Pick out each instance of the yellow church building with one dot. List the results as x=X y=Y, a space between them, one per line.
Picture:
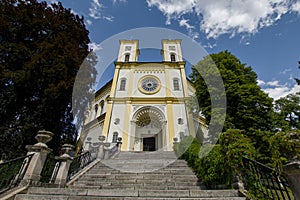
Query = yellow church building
x=146 y=103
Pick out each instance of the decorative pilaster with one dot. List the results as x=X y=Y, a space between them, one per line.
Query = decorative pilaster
x=65 y=162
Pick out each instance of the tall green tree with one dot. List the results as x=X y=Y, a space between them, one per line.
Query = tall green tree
x=41 y=50
x=288 y=109
x=248 y=107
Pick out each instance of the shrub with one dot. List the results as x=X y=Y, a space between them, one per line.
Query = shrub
x=211 y=168
x=216 y=164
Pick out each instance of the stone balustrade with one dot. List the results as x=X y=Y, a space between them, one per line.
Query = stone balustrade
x=40 y=151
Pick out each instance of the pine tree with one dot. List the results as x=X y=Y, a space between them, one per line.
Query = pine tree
x=41 y=50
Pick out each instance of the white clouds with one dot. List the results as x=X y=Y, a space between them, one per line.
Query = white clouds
x=296 y=7
x=260 y=82
x=95 y=11
x=220 y=17
x=232 y=17
x=191 y=29
x=89 y=22
x=184 y=22
x=108 y=18
x=119 y=1
x=209 y=45
x=273 y=83
x=94 y=46
x=282 y=91
x=54 y=1
x=172 y=8
x=277 y=90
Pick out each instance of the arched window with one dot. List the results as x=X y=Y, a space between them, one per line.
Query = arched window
x=122 y=84
x=127 y=57
x=101 y=107
x=115 y=137
x=96 y=109
x=173 y=58
x=176 y=84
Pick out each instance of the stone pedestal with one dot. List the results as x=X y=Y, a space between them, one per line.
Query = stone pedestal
x=65 y=162
x=292 y=172
x=40 y=151
x=106 y=150
x=100 y=153
x=62 y=174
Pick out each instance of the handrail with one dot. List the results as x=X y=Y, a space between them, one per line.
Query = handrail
x=13 y=171
x=264 y=181
x=48 y=168
x=79 y=162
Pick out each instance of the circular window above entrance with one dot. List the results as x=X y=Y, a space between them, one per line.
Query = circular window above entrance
x=149 y=84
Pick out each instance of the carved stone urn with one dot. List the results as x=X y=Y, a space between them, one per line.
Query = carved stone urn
x=67 y=148
x=43 y=137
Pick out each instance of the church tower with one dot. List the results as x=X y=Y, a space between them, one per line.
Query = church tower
x=145 y=103
x=171 y=51
x=128 y=51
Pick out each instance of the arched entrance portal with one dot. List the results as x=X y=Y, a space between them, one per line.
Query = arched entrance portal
x=148 y=130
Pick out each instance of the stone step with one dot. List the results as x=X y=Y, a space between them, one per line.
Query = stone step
x=131 y=193
x=147 y=154
x=130 y=184
x=92 y=174
x=134 y=175
x=140 y=176
x=49 y=197
x=139 y=187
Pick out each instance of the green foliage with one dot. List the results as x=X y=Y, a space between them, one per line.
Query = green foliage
x=192 y=152
x=236 y=145
x=220 y=163
x=216 y=164
x=181 y=148
x=284 y=146
x=41 y=50
x=260 y=141
x=248 y=107
x=288 y=110
x=253 y=126
x=212 y=169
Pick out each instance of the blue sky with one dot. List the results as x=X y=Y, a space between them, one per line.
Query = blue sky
x=263 y=34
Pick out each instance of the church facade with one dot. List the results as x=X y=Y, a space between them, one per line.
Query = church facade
x=146 y=103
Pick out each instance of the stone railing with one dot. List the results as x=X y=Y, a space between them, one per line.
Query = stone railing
x=102 y=149
x=61 y=169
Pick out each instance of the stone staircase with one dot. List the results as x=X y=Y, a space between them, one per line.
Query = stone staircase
x=134 y=175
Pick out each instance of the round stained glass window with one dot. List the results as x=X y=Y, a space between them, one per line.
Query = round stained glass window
x=149 y=85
